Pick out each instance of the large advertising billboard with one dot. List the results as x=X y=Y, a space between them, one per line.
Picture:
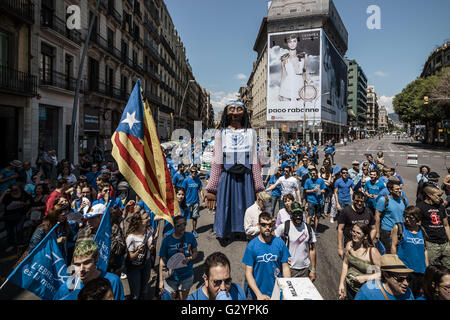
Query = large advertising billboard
x=334 y=84
x=294 y=79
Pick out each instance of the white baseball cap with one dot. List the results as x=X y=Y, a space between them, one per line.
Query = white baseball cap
x=96 y=210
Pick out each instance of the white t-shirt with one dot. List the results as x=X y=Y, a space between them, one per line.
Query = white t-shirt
x=134 y=242
x=282 y=216
x=299 y=240
x=288 y=186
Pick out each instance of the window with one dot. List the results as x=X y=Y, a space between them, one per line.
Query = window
x=4 y=48
x=93 y=73
x=46 y=63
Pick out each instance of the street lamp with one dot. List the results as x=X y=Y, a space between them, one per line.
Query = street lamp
x=182 y=101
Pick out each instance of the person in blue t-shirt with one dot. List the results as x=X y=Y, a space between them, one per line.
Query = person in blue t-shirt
x=8 y=176
x=314 y=189
x=342 y=188
x=394 y=283
x=104 y=197
x=372 y=188
x=390 y=213
x=217 y=279
x=276 y=193
x=179 y=281
x=179 y=177
x=93 y=175
x=265 y=258
x=193 y=186
x=411 y=247
x=181 y=198
x=85 y=258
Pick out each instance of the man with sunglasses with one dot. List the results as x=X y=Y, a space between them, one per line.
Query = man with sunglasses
x=435 y=224
x=265 y=259
x=394 y=284
x=218 y=281
x=355 y=213
x=342 y=188
x=301 y=244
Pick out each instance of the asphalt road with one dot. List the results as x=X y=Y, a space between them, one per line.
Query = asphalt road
x=328 y=261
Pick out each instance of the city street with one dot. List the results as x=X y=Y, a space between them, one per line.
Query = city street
x=328 y=263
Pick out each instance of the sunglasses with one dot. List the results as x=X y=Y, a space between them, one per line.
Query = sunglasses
x=217 y=283
x=233 y=109
x=266 y=225
x=181 y=225
x=401 y=279
x=412 y=218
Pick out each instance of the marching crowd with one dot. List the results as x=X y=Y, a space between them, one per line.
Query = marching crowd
x=390 y=249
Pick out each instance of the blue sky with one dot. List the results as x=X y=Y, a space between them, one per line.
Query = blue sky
x=219 y=36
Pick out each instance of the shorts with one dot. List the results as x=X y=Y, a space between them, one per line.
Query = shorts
x=195 y=210
x=315 y=209
x=178 y=285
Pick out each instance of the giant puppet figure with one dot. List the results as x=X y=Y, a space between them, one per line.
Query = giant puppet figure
x=235 y=171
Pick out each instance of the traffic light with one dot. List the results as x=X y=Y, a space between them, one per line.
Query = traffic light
x=425 y=100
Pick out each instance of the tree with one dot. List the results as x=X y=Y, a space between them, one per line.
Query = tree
x=440 y=94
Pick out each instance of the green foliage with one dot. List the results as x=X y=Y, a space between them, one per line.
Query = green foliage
x=409 y=104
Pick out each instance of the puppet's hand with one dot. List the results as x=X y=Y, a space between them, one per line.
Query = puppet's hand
x=210 y=201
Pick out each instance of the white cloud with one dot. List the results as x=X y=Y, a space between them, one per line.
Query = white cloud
x=381 y=74
x=387 y=103
x=220 y=98
x=241 y=76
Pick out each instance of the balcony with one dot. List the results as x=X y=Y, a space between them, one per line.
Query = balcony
x=17 y=81
x=152 y=73
x=48 y=20
x=148 y=22
x=152 y=98
x=115 y=14
x=22 y=10
x=151 y=7
x=152 y=48
x=136 y=36
x=106 y=45
x=57 y=80
x=108 y=90
x=137 y=12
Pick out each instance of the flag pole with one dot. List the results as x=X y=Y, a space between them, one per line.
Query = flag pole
x=73 y=130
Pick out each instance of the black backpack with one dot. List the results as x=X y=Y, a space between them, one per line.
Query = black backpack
x=285 y=235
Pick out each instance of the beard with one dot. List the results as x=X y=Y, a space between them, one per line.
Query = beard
x=235 y=118
x=211 y=294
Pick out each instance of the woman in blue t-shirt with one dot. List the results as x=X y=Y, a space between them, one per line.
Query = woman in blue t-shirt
x=184 y=211
x=177 y=281
x=410 y=248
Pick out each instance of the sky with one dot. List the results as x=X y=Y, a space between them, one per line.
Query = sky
x=219 y=36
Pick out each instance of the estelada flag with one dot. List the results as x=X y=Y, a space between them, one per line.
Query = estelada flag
x=138 y=153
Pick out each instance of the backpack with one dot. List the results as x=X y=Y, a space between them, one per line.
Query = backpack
x=398 y=224
x=285 y=235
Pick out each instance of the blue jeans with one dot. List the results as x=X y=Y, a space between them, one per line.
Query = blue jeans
x=138 y=280
x=275 y=199
x=343 y=204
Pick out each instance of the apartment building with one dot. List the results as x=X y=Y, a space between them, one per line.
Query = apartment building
x=372 y=109
x=39 y=62
x=18 y=84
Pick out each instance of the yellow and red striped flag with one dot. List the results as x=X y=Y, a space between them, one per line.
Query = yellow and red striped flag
x=138 y=153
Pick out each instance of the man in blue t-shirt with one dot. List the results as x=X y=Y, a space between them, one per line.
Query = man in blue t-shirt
x=314 y=190
x=276 y=193
x=8 y=176
x=394 y=284
x=181 y=280
x=217 y=280
x=179 y=177
x=265 y=258
x=372 y=188
x=387 y=215
x=342 y=188
x=85 y=258
x=193 y=186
